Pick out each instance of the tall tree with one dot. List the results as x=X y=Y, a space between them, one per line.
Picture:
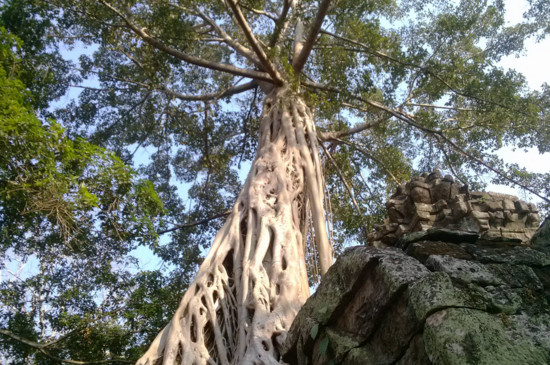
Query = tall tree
x=389 y=83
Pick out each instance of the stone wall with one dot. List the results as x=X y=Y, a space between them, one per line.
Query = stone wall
x=439 y=296
x=431 y=200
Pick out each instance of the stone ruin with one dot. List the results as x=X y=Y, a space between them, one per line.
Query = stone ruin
x=461 y=284
x=433 y=200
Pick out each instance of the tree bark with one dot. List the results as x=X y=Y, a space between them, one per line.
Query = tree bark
x=254 y=280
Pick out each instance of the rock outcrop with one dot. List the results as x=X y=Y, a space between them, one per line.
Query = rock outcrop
x=439 y=296
x=431 y=200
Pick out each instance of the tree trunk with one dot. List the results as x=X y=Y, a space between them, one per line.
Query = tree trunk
x=253 y=281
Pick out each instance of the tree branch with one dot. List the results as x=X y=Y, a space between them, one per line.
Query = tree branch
x=41 y=347
x=347 y=186
x=361 y=148
x=257 y=75
x=409 y=119
x=197 y=223
x=441 y=107
x=299 y=62
x=259 y=12
x=212 y=96
x=253 y=42
x=336 y=135
x=280 y=24
x=424 y=69
x=239 y=48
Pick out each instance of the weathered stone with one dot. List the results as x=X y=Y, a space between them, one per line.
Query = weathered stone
x=439 y=205
x=498 y=239
x=459 y=209
x=487 y=300
x=359 y=356
x=441 y=191
x=465 y=336
x=511 y=217
x=532 y=220
x=454 y=191
x=480 y=215
x=521 y=206
x=516 y=276
x=436 y=291
x=391 y=227
x=469 y=224
x=515 y=255
x=436 y=174
x=416 y=353
x=353 y=293
x=421 y=207
x=501 y=300
x=532 y=208
x=420 y=184
x=423 y=249
x=508 y=205
x=493 y=206
x=421 y=195
x=462 y=270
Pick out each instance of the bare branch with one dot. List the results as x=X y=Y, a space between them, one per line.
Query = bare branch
x=441 y=107
x=197 y=223
x=249 y=35
x=141 y=32
x=299 y=62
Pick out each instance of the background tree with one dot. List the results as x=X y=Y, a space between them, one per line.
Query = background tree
x=74 y=210
x=392 y=85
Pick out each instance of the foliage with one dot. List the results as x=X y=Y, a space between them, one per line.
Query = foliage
x=422 y=77
x=75 y=211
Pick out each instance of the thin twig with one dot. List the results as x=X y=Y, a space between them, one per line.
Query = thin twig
x=197 y=223
x=346 y=185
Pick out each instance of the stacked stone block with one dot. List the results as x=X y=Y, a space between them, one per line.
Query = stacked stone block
x=436 y=201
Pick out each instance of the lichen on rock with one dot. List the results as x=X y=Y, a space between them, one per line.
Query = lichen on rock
x=442 y=295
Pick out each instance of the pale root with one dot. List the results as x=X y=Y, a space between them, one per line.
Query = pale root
x=253 y=281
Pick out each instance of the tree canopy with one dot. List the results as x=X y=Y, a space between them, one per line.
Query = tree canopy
x=396 y=87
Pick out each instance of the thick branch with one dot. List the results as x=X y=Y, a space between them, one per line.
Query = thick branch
x=243 y=24
x=197 y=223
x=299 y=62
x=257 y=75
x=239 y=48
x=280 y=24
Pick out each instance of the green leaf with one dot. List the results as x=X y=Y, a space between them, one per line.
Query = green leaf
x=323 y=346
x=314 y=330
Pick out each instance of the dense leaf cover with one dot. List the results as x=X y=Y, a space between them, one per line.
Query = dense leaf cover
x=397 y=87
